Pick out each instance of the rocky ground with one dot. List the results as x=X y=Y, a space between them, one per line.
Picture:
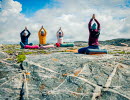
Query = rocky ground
x=54 y=74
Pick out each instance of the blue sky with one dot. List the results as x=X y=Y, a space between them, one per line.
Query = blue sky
x=29 y=7
x=128 y=3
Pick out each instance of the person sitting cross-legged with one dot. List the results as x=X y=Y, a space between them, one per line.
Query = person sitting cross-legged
x=42 y=34
x=60 y=35
x=94 y=32
x=24 y=37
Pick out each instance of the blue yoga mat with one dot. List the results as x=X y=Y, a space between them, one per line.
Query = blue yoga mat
x=96 y=51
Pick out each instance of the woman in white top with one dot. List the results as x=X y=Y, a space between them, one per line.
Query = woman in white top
x=60 y=35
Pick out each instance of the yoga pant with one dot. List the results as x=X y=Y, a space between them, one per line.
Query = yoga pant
x=22 y=45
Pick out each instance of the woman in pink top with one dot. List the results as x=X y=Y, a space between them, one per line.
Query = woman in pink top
x=60 y=35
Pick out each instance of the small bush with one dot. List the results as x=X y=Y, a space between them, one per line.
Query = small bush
x=20 y=58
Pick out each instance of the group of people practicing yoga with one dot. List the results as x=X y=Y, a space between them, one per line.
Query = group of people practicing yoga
x=94 y=32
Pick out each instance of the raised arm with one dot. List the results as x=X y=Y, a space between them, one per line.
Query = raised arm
x=39 y=33
x=62 y=32
x=22 y=33
x=57 y=34
x=28 y=33
x=98 y=27
x=89 y=24
x=45 y=31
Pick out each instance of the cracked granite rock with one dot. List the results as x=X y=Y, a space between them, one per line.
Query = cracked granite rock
x=67 y=76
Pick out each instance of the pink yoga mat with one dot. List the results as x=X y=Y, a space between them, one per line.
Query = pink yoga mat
x=31 y=47
x=47 y=46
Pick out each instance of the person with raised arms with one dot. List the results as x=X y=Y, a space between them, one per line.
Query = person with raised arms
x=94 y=32
x=42 y=36
x=60 y=35
x=25 y=34
x=60 y=43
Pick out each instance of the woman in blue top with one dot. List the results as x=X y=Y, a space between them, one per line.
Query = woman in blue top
x=24 y=37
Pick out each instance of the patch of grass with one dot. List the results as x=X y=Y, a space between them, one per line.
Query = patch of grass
x=25 y=53
x=111 y=52
x=20 y=58
x=10 y=51
x=62 y=51
x=10 y=46
x=10 y=59
x=28 y=53
x=44 y=52
x=121 y=52
x=127 y=52
x=116 y=50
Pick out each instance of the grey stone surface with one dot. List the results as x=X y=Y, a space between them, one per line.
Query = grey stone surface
x=3 y=55
x=67 y=76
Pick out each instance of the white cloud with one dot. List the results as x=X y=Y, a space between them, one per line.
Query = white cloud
x=72 y=15
x=10 y=7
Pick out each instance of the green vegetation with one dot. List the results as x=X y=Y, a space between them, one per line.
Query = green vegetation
x=10 y=46
x=10 y=59
x=121 y=52
x=44 y=52
x=10 y=51
x=62 y=51
x=25 y=53
x=118 y=52
x=111 y=52
x=19 y=55
x=20 y=58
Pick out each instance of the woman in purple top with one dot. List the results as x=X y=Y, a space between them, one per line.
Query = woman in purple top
x=94 y=33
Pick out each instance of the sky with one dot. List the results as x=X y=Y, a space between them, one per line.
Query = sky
x=71 y=15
